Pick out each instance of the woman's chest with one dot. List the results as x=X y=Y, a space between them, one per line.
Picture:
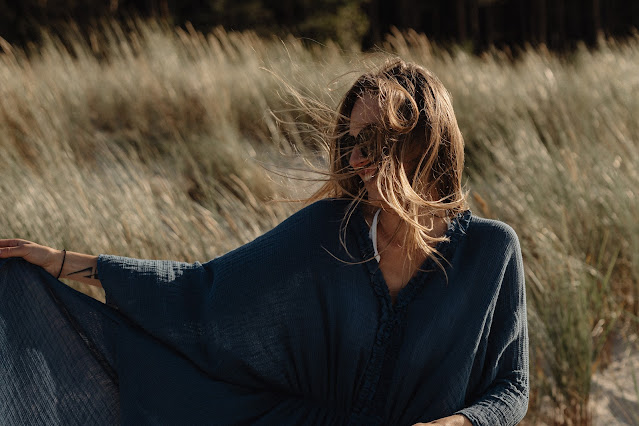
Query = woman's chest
x=398 y=269
x=310 y=330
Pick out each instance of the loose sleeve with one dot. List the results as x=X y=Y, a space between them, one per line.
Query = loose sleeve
x=166 y=299
x=504 y=399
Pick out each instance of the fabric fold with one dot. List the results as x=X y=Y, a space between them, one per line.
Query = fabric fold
x=57 y=352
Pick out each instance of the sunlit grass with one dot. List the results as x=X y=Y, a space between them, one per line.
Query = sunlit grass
x=159 y=144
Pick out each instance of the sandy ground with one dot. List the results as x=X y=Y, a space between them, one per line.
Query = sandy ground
x=615 y=390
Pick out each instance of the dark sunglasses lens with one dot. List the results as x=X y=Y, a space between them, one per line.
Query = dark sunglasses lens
x=365 y=141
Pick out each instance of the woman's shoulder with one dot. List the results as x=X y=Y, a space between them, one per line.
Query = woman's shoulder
x=322 y=211
x=309 y=222
x=491 y=231
x=301 y=235
x=329 y=206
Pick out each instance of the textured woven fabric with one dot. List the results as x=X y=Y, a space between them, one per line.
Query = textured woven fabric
x=292 y=328
x=56 y=352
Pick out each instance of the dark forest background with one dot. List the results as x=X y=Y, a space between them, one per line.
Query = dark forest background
x=560 y=24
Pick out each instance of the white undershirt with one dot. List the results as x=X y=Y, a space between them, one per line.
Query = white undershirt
x=372 y=233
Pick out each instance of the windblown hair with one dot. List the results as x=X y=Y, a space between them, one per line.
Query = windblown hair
x=416 y=145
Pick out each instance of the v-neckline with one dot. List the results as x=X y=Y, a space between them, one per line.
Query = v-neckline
x=456 y=229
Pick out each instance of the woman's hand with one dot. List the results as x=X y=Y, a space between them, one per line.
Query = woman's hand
x=46 y=257
x=74 y=266
x=456 y=420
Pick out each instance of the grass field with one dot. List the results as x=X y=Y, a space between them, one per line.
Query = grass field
x=159 y=143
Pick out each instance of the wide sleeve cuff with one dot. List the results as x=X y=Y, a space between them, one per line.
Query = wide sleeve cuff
x=505 y=405
x=166 y=299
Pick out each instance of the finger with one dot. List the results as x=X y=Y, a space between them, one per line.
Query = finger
x=13 y=242
x=19 y=251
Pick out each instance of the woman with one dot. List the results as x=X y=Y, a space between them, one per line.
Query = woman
x=383 y=302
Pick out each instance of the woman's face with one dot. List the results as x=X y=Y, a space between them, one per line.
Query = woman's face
x=365 y=112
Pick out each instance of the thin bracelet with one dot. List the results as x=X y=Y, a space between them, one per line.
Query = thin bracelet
x=64 y=256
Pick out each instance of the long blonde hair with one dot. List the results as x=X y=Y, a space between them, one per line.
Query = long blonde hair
x=418 y=149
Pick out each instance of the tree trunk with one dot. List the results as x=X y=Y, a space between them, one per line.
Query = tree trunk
x=559 y=34
x=473 y=19
x=374 y=34
x=542 y=17
x=460 y=10
x=489 y=22
x=596 y=19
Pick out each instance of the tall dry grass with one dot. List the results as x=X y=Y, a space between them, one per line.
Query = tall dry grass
x=158 y=143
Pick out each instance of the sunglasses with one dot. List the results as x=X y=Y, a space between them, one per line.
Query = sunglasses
x=366 y=140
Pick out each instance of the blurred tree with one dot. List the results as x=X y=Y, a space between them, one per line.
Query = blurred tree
x=557 y=36
x=343 y=21
x=473 y=17
x=462 y=22
x=478 y=23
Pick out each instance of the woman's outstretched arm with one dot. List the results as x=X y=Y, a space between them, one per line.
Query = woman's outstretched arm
x=166 y=299
x=77 y=266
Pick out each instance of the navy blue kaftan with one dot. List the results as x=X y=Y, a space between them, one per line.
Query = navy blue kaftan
x=292 y=328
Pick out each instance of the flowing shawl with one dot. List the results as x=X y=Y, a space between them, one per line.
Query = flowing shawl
x=296 y=327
